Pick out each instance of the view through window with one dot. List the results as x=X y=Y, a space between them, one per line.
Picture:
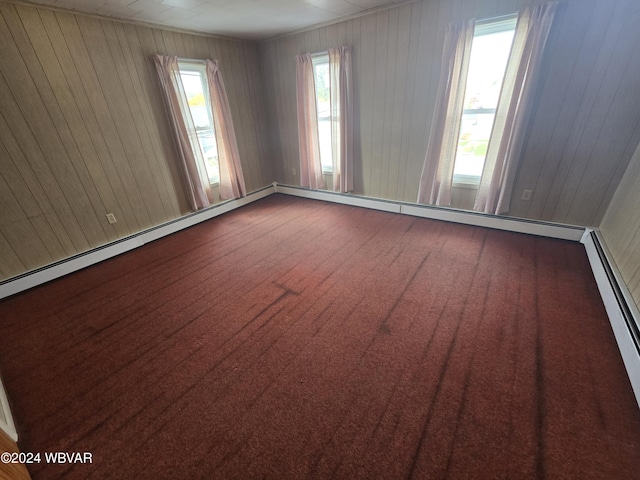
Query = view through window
x=323 y=107
x=489 y=56
x=194 y=80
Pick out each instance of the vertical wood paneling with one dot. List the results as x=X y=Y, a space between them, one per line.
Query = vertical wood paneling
x=261 y=171
x=605 y=80
x=144 y=45
x=142 y=111
x=84 y=132
x=366 y=87
x=52 y=86
x=410 y=91
x=59 y=67
x=379 y=102
x=288 y=67
x=574 y=168
x=31 y=194
x=73 y=174
x=420 y=105
x=621 y=227
x=141 y=46
x=127 y=114
x=565 y=91
x=579 y=137
x=397 y=167
x=21 y=231
x=119 y=169
x=39 y=137
x=387 y=168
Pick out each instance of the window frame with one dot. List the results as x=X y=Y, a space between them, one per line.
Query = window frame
x=318 y=59
x=483 y=27
x=199 y=67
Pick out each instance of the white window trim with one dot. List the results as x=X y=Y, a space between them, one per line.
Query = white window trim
x=199 y=66
x=321 y=58
x=484 y=27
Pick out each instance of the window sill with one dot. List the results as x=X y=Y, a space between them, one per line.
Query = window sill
x=466 y=181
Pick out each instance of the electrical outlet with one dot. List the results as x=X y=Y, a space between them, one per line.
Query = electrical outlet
x=526 y=194
x=111 y=217
x=293 y=172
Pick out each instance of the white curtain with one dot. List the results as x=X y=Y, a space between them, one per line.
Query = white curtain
x=437 y=173
x=308 y=143
x=341 y=118
x=514 y=108
x=194 y=169
x=231 y=177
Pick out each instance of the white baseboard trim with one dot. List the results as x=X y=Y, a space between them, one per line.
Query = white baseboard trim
x=47 y=273
x=341 y=198
x=543 y=229
x=620 y=306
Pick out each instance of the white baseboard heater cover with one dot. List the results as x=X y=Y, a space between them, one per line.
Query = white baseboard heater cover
x=621 y=308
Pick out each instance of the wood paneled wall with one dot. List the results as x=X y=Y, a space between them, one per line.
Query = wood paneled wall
x=621 y=227
x=83 y=130
x=582 y=134
x=587 y=125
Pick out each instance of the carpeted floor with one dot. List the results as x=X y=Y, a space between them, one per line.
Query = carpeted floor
x=298 y=339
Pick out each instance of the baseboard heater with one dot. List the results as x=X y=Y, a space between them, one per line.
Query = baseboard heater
x=621 y=308
x=446 y=214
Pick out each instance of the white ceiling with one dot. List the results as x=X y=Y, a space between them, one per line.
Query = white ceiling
x=250 y=19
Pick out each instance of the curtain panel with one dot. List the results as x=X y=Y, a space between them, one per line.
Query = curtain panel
x=437 y=173
x=514 y=109
x=341 y=118
x=194 y=172
x=231 y=178
x=196 y=179
x=308 y=142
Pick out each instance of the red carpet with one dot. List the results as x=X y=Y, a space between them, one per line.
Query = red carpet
x=298 y=339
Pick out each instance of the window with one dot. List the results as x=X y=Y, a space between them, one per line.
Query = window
x=194 y=80
x=489 y=56
x=324 y=97
x=323 y=108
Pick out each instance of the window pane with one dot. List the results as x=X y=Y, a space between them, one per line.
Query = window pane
x=323 y=105
x=475 y=131
x=324 y=136
x=488 y=62
x=209 y=148
x=489 y=55
x=195 y=86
